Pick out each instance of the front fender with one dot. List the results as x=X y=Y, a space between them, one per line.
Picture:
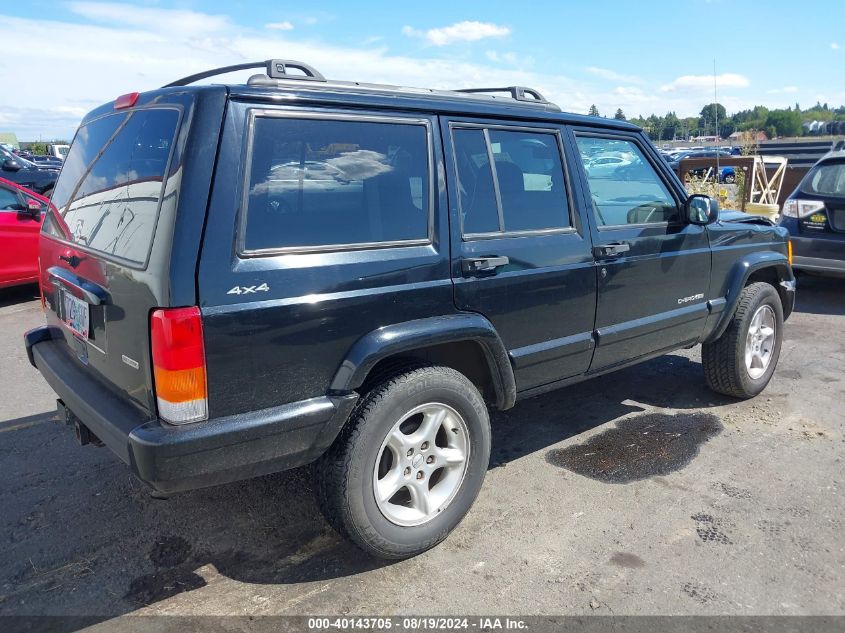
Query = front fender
x=392 y=340
x=722 y=308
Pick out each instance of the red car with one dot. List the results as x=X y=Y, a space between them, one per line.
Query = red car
x=21 y=214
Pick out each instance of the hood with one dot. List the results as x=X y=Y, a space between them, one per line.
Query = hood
x=729 y=215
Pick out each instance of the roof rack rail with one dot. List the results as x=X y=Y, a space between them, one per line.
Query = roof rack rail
x=276 y=69
x=519 y=93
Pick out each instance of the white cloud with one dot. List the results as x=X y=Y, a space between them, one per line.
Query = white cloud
x=279 y=26
x=784 y=90
x=467 y=31
x=509 y=57
x=702 y=82
x=188 y=23
x=124 y=54
x=612 y=75
x=834 y=46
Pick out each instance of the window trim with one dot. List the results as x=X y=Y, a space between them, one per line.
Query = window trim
x=111 y=257
x=649 y=159
x=243 y=211
x=484 y=127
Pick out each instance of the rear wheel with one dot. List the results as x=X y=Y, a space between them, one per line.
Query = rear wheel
x=741 y=362
x=409 y=463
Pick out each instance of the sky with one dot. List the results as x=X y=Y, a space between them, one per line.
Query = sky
x=62 y=58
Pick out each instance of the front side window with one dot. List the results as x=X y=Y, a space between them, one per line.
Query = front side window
x=624 y=186
x=336 y=183
x=528 y=172
x=9 y=200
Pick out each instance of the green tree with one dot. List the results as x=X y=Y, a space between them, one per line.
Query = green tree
x=594 y=111
x=671 y=127
x=619 y=116
x=709 y=114
x=785 y=122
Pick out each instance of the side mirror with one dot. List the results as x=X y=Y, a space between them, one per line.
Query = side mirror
x=10 y=164
x=34 y=207
x=701 y=209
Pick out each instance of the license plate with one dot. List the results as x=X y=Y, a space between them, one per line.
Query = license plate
x=75 y=315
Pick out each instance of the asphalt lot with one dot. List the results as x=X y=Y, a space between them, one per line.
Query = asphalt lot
x=637 y=493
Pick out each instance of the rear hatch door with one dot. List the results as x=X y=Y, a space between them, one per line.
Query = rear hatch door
x=105 y=249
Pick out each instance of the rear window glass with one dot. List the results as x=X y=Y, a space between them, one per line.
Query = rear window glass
x=336 y=183
x=528 y=173
x=826 y=180
x=112 y=182
x=530 y=176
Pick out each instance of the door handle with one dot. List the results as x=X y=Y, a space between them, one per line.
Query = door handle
x=614 y=249
x=473 y=265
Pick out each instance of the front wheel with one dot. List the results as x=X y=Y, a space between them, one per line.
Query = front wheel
x=741 y=362
x=409 y=463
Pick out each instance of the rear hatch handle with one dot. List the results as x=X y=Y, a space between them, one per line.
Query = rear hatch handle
x=91 y=292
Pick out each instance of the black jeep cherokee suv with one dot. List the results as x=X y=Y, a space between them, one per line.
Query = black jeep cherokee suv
x=241 y=279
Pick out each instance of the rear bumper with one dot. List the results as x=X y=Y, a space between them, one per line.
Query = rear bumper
x=176 y=458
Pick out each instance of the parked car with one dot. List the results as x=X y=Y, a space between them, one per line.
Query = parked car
x=59 y=151
x=21 y=212
x=39 y=160
x=46 y=161
x=29 y=175
x=241 y=279
x=727 y=175
x=605 y=165
x=814 y=215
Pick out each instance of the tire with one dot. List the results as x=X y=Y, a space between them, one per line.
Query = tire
x=725 y=360
x=371 y=456
x=730 y=179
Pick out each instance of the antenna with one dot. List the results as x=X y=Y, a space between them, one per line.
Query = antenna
x=716 y=115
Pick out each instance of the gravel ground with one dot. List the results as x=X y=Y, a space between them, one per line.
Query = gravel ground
x=640 y=492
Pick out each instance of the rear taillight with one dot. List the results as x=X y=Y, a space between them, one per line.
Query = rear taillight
x=178 y=355
x=796 y=208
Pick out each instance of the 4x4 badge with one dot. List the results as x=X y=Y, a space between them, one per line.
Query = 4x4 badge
x=248 y=290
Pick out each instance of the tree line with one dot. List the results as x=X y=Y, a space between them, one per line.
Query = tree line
x=713 y=119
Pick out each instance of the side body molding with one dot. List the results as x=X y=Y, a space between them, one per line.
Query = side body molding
x=405 y=337
x=722 y=308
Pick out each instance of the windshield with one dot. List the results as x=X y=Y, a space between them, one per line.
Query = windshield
x=6 y=154
x=827 y=179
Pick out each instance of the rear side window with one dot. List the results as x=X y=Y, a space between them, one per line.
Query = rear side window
x=326 y=183
x=113 y=181
x=826 y=180
x=523 y=189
